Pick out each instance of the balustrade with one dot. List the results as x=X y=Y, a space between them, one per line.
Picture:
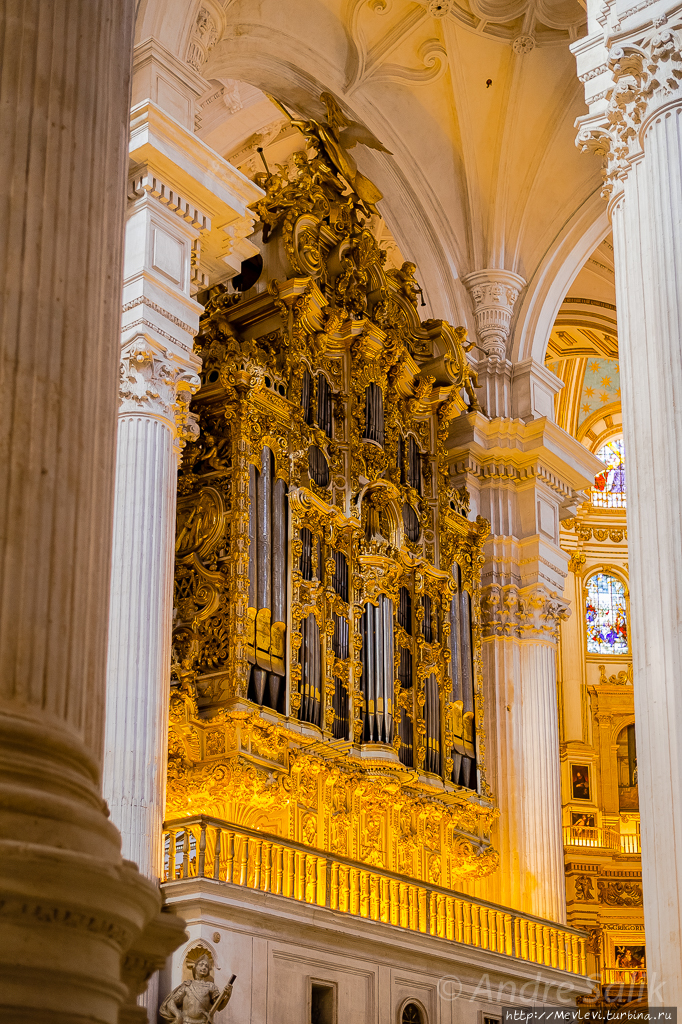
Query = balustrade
x=203 y=847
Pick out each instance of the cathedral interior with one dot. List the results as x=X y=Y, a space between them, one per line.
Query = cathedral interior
x=339 y=585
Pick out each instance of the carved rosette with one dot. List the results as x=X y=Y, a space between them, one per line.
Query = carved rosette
x=159 y=388
x=646 y=81
x=529 y=613
x=494 y=294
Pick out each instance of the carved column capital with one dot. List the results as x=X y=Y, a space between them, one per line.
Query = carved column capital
x=531 y=612
x=157 y=386
x=645 y=82
x=494 y=294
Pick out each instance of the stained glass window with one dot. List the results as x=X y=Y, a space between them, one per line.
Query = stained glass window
x=609 y=485
x=607 y=629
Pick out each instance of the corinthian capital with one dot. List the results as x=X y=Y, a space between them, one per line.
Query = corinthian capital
x=529 y=612
x=494 y=294
x=160 y=388
x=646 y=79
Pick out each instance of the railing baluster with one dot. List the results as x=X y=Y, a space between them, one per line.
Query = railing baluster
x=216 y=854
x=476 y=929
x=525 y=944
x=299 y=878
x=449 y=918
x=374 y=909
x=404 y=905
x=334 y=898
x=244 y=861
x=201 y=864
x=185 y=855
x=583 y=961
x=384 y=899
x=468 y=928
x=321 y=882
x=310 y=868
x=459 y=921
x=229 y=867
x=172 y=869
x=423 y=911
x=364 y=894
x=532 y=942
x=394 y=900
x=508 y=941
x=266 y=868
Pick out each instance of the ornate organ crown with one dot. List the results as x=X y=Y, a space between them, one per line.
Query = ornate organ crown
x=327 y=669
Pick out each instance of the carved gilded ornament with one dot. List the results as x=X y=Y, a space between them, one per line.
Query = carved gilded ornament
x=337 y=332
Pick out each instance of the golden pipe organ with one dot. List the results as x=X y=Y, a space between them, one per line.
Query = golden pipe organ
x=326 y=678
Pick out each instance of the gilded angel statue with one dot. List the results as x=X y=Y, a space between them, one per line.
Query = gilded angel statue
x=333 y=138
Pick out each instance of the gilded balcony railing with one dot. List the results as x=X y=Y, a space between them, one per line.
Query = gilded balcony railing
x=603 y=839
x=630 y=843
x=203 y=847
x=625 y=976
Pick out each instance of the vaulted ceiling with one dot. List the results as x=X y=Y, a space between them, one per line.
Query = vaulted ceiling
x=475 y=99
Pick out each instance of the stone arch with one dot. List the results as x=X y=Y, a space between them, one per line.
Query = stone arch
x=273 y=58
x=549 y=285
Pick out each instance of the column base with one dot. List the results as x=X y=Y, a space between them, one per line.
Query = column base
x=71 y=906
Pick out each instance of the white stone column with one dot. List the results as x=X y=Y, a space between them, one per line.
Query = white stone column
x=639 y=137
x=523 y=477
x=153 y=388
x=187 y=218
x=70 y=907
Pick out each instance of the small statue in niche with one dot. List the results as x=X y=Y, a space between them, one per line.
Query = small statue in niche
x=196 y=1001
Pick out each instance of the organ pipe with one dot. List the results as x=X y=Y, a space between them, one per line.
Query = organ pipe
x=374 y=414
x=432 y=717
x=324 y=404
x=405 y=724
x=377 y=670
x=306 y=560
x=310 y=671
x=266 y=619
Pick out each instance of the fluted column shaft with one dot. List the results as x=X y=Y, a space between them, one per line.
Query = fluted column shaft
x=140 y=635
x=70 y=906
x=647 y=230
x=519 y=669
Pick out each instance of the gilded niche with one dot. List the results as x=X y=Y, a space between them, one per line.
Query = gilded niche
x=326 y=676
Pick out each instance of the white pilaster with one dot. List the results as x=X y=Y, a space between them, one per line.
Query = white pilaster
x=523 y=477
x=637 y=131
x=71 y=910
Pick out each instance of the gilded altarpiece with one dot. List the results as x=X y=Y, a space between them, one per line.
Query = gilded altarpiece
x=326 y=680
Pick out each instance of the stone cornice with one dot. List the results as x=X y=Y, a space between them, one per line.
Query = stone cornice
x=519 y=451
x=189 y=165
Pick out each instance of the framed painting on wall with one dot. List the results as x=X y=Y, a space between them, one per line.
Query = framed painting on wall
x=580 y=781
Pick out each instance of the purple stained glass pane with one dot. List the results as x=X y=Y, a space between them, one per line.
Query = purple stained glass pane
x=607 y=629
